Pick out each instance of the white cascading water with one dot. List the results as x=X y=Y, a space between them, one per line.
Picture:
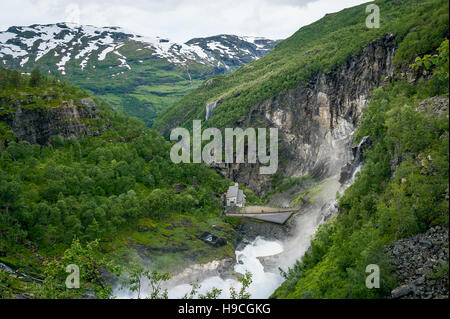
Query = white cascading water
x=246 y=261
x=282 y=254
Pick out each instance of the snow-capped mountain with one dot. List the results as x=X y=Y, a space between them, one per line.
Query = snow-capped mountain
x=66 y=42
x=232 y=50
x=137 y=74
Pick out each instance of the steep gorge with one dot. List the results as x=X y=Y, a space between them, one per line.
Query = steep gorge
x=316 y=123
x=316 y=120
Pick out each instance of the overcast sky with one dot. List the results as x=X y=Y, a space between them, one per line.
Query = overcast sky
x=179 y=20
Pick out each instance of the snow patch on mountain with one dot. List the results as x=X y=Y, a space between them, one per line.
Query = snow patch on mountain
x=103 y=54
x=85 y=43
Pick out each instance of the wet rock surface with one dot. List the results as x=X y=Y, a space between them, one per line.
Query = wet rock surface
x=316 y=120
x=250 y=229
x=421 y=265
x=358 y=158
x=213 y=240
x=438 y=105
x=270 y=263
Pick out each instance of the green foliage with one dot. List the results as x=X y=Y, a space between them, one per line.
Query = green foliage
x=6 y=285
x=214 y=293
x=136 y=275
x=245 y=281
x=35 y=78
x=283 y=183
x=440 y=272
x=439 y=62
x=9 y=78
x=90 y=263
x=91 y=188
x=250 y=197
x=401 y=191
x=99 y=187
x=419 y=27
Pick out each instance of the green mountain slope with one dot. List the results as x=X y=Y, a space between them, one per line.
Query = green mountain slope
x=96 y=174
x=73 y=168
x=419 y=26
x=401 y=191
x=137 y=75
x=403 y=188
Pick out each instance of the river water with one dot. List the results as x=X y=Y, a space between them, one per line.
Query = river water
x=263 y=256
x=246 y=261
x=265 y=274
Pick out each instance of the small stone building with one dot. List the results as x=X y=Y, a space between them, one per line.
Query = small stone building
x=235 y=196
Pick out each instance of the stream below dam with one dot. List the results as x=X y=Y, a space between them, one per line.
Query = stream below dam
x=262 y=256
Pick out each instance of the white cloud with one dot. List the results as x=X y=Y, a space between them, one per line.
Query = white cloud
x=73 y=13
x=179 y=20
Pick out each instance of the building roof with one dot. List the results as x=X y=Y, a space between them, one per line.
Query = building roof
x=233 y=191
x=240 y=196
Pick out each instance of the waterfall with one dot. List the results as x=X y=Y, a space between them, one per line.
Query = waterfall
x=247 y=259
x=263 y=257
x=209 y=108
x=190 y=78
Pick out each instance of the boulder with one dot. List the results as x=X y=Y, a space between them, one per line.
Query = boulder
x=401 y=291
x=213 y=240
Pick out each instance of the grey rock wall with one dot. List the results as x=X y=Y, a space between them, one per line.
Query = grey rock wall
x=316 y=120
x=39 y=125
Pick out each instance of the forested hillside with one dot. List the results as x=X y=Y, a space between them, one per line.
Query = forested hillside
x=137 y=75
x=419 y=26
x=116 y=184
x=402 y=190
x=83 y=183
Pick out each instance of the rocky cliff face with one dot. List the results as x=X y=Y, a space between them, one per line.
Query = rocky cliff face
x=39 y=125
x=316 y=120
